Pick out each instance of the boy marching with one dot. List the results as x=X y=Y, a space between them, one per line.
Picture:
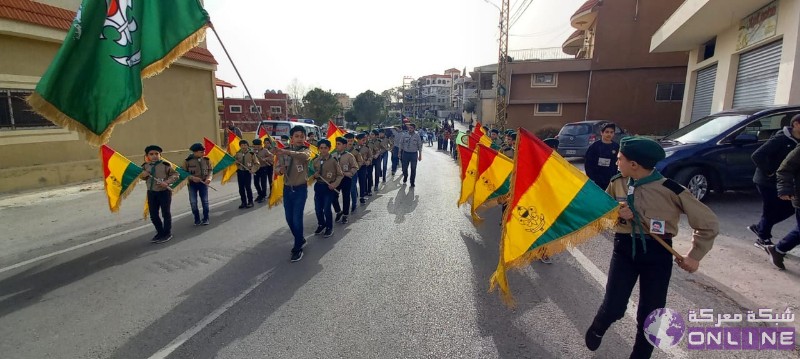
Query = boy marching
x=264 y=173
x=349 y=165
x=248 y=164
x=201 y=171
x=293 y=164
x=158 y=176
x=328 y=175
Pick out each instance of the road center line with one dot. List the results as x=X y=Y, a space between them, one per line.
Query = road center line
x=101 y=239
x=183 y=338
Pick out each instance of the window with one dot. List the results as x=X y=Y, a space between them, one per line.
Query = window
x=544 y=80
x=547 y=109
x=235 y=108
x=255 y=109
x=669 y=92
x=707 y=50
x=275 y=109
x=765 y=127
x=16 y=114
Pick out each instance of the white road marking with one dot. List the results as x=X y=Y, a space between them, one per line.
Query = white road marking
x=101 y=239
x=602 y=278
x=183 y=338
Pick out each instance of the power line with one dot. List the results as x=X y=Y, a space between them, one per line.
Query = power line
x=520 y=15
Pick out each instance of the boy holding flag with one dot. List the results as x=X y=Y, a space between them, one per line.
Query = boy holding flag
x=158 y=176
x=293 y=164
x=200 y=170
x=328 y=175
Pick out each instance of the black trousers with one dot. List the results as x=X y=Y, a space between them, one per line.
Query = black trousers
x=362 y=182
x=344 y=192
x=160 y=201
x=409 y=159
x=376 y=167
x=370 y=179
x=260 y=180
x=245 y=187
x=652 y=268
x=774 y=211
x=395 y=159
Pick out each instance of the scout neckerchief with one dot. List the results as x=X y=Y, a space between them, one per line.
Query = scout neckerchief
x=151 y=180
x=638 y=230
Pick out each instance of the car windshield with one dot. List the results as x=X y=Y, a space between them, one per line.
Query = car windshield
x=575 y=130
x=276 y=129
x=704 y=129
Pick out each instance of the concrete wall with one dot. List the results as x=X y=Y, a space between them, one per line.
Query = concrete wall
x=726 y=57
x=523 y=116
x=571 y=87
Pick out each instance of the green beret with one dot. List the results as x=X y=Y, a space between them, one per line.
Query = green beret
x=151 y=148
x=644 y=151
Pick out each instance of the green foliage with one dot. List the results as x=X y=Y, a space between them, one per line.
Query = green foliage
x=320 y=105
x=369 y=108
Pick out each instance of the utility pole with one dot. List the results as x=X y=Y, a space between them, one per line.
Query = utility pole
x=502 y=68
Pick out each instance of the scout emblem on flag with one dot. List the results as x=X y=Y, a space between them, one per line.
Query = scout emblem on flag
x=117 y=21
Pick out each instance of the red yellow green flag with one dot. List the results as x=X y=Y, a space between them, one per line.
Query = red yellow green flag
x=120 y=176
x=264 y=136
x=333 y=132
x=219 y=158
x=276 y=194
x=553 y=206
x=493 y=171
x=470 y=176
x=233 y=149
x=95 y=79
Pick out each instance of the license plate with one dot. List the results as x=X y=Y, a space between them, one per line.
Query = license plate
x=570 y=152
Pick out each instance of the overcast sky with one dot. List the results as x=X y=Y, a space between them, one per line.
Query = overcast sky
x=352 y=46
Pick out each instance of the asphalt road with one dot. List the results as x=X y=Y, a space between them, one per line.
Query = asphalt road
x=407 y=278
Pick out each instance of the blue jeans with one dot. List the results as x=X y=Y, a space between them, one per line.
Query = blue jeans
x=775 y=210
x=384 y=163
x=793 y=238
x=202 y=190
x=323 y=197
x=294 y=201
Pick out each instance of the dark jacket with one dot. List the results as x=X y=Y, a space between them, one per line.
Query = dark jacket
x=601 y=162
x=769 y=156
x=788 y=177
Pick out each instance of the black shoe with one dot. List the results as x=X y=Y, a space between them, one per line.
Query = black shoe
x=250 y=205
x=164 y=238
x=156 y=238
x=593 y=339
x=369 y=194
x=319 y=230
x=242 y=206
x=777 y=258
x=376 y=189
x=363 y=200
x=405 y=180
x=328 y=232
x=260 y=200
x=412 y=185
x=296 y=257
x=197 y=222
x=344 y=220
x=338 y=217
x=760 y=242
x=205 y=222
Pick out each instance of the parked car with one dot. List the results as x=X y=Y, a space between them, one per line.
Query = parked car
x=280 y=128
x=713 y=153
x=575 y=138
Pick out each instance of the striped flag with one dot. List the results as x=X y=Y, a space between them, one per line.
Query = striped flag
x=120 y=176
x=470 y=175
x=553 y=206
x=276 y=194
x=233 y=149
x=219 y=159
x=494 y=171
x=333 y=132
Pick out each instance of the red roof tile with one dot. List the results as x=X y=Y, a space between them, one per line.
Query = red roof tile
x=57 y=18
x=223 y=83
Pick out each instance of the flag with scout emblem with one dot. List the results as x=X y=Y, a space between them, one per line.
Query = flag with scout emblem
x=470 y=176
x=333 y=132
x=174 y=187
x=276 y=194
x=552 y=206
x=120 y=176
x=494 y=170
x=95 y=79
x=219 y=158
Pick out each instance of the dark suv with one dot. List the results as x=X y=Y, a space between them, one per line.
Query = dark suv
x=713 y=153
x=575 y=138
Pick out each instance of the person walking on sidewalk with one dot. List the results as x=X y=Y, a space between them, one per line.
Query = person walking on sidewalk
x=264 y=173
x=650 y=205
x=601 y=157
x=201 y=171
x=768 y=158
x=363 y=173
x=293 y=164
x=159 y=175
x=349 y=166
x=248 y=164
x=328 y=175
x=789 y=190
x=410 y=152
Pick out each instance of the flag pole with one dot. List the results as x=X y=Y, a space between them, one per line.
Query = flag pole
x=236 y=69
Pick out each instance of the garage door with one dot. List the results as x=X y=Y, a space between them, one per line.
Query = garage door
x=757 y=78
x=703 y=92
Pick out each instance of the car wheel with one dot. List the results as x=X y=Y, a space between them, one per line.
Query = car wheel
x=696 y=181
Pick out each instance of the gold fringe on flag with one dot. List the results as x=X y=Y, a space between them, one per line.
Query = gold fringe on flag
x=176 y=53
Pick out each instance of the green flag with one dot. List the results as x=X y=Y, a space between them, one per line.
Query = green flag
x=95 y=80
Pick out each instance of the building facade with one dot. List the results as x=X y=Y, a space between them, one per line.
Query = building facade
x=34 y=153
x=243 y=113
x=747 y=58
x=432 y=95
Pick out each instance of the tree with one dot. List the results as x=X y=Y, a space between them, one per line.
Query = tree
x=296 y=90
x=320 y=106
x=369 y=108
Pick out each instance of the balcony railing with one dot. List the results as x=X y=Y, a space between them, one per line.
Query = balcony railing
x=551 y=53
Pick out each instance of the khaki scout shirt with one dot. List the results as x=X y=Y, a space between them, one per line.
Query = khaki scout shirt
x=357 y=155
x=366 y=155
x=509 y=152
x=199 y=167
x=265 y=157
x=247 y=161
x=159 y=171
x=375 y=147
x=294 y=165
x=386 y=144
x=665 y=200
x=348 y=163
x=328 y=169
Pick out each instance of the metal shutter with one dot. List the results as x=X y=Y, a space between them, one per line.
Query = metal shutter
x=704 y=92
x=757 y=78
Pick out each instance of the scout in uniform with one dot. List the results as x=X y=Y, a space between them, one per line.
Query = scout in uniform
x=159 y=175
x=366 y=161
x=410 y=152
x=497 y=140
x=293 y=164
x=349 y=166
x=264 y=173
x=601 y=157
x=377 y=155
x=328 y=175
x=386 y=145
x=247 y=165
x=200 y=170
x=353 y=149
x=650 y=204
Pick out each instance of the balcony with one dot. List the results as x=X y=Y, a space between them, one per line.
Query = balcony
x=489 y=93
x=585 y=16
x=551 y=53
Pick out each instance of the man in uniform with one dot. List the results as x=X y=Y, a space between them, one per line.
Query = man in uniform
x=349 y=164
x=386 y=145
x=248 y=164
x=410 y=152
x=649 y=202
x=328 y=175
x=264 y=172
x=200 y=171
x=366 y=161
x=293 y=164
x=159 y=175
